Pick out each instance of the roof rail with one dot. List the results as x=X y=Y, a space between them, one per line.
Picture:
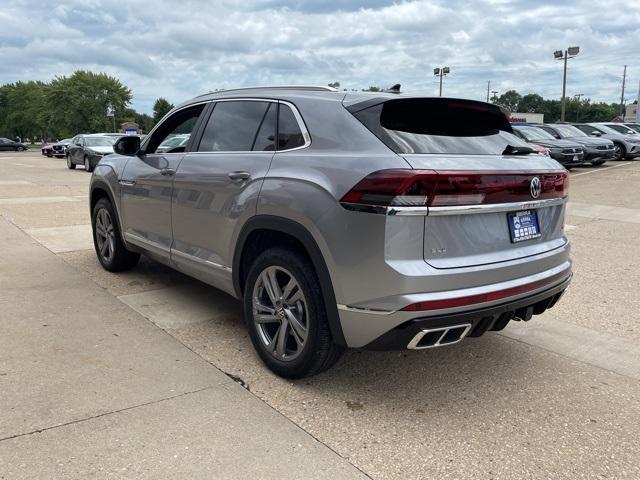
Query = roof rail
x=311 y=88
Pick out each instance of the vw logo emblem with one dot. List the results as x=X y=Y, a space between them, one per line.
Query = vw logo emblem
x=535 y=187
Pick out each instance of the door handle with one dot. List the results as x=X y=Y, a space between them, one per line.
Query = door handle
x=168 y=172
x=239 y=176
x=127 y=183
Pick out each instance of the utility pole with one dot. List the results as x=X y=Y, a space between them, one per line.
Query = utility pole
x=488 y=88
x=566 y=55
x=441 y=72
x=495 y=94
x=577 y=97
x=624 y=78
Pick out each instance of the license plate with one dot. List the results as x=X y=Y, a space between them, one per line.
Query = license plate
x=575 y=158
x=523 y=225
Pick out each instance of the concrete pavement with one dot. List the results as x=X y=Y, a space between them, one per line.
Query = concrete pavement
x=557 y=397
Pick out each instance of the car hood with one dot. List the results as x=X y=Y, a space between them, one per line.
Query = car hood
x=590 y=141
x=557 y=143
x=101 y=149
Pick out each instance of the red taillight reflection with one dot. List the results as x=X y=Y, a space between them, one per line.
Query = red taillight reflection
x=449 y=188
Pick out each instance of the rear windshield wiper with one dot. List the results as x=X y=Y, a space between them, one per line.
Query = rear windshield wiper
x=511 y=150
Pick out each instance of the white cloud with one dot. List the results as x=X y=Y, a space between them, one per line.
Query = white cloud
x=180 y=49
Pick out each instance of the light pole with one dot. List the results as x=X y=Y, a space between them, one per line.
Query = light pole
x=441 y=72
x=564 y=56
x=577 y=97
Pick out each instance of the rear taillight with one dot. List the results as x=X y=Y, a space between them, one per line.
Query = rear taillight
x=452 y=188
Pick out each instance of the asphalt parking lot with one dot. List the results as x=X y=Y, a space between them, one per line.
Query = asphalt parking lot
x=149 y=374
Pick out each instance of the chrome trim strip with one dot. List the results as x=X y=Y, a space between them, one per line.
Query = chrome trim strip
x=143 y=242
x=201 y=261
x=496 y=207
x=413 y=344
x=407 y=211
x=368 y=311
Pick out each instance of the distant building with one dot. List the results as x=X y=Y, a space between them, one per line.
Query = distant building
x=631 y=114
x=130 y=128
x=517 y=117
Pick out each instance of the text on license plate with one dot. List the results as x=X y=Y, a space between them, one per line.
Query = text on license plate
x=523 y=225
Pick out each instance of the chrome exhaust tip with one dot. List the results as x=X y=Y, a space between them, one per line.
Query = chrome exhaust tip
x=439 y=336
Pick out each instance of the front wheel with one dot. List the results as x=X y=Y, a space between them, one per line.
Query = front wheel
x=111 y=251
x=620 y=151
x=286 y=316
x=70 y=164
x=87 y=164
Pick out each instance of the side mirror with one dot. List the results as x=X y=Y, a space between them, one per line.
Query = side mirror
x=129 y=145
x=596 y=134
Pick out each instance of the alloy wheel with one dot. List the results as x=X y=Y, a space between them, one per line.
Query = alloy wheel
x=618 y=151
x=280 y=313
x=105 y=235
x=86 y=163
x=68 y=161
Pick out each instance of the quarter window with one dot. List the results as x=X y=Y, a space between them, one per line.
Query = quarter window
x=235 y=127
x=289 y=133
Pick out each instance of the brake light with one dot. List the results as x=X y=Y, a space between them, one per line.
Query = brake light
x=483 y=297
x=450 y=188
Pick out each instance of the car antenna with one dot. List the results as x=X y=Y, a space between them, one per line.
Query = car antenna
x=393 y=89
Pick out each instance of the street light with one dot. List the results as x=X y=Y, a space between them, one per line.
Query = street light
x=441 y=72
x=577 y=97
x=570 y=52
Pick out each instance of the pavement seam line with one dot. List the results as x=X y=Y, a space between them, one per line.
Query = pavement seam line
x=585 y=362
x=82 y=420
x=228 y=375
x=601 y=170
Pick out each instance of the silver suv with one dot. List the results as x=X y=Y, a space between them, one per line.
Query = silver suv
x=377 y=221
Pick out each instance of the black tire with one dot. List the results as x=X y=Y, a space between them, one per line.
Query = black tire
x=120 y=258
x=70 y=164
x=87 y=164
x=597 y=163
x=319 y=352
x=621 y=152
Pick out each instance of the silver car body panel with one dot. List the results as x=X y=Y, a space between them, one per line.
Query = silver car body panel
x=377 y=263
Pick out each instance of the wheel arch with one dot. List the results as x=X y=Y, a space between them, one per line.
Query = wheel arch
x=100 y=189
x=270 y=229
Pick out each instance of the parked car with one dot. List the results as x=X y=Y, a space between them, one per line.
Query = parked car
x=596 y=151
x=47 y=149
x=627 y=145
x=368 y=220
x=88 y=150
x=569 y=154
x=175 y=143
x=11 y=145
x=59 y=149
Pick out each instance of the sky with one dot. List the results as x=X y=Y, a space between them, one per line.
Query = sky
x=178 y=50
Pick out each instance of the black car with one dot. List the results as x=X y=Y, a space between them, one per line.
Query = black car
x=59 y=149
x=568 y=154
x=10 y=145
x=596 y=150
x=88 y=150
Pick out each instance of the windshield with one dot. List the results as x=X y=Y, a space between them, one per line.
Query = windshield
x=534 y=133
x=99 y=141
x=621 y=129
x=569 y=131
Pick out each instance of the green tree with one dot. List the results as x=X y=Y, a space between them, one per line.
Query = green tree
x=79 y=103
x=531 y=103
x=372 y=89
x=160 y=108
x=510 y=100
x=23 y=110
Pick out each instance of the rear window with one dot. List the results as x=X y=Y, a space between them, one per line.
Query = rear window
x=440 y=126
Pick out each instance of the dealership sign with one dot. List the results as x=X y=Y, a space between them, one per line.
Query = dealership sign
x=526 y=117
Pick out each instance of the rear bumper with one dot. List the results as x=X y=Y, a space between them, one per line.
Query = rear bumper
x=479 y=320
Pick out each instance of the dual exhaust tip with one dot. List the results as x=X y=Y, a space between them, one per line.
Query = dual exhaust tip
x=439 y=336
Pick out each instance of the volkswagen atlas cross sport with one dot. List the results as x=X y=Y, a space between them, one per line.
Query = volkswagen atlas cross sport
x=378 y=221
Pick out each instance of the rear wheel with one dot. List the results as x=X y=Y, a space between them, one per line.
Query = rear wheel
x=286 y=316
x=111 y=251
x=620 y=151
x=70 y=164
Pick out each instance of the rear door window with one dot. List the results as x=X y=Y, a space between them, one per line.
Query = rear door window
x=234 y=127
x=440 y=126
